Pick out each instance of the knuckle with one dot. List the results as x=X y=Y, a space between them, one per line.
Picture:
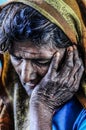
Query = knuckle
x=82 y=68
x=70 y=64
x=54 y=68
x=54 y=78
x=78 y=63
x=76 y=88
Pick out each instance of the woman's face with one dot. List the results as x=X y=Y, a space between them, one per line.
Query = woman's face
x=31 y=62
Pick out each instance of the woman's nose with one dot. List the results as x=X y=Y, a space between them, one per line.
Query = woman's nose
x=28 y=72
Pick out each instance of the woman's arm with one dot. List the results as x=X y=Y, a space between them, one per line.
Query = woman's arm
x=40 y=117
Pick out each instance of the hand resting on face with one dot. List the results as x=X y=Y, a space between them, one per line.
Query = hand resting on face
x=57 y=87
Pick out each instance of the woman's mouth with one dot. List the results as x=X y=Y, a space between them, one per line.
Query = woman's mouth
x=29 y=87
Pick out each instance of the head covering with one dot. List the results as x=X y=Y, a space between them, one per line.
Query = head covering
x=67 y=15
x=60 y=14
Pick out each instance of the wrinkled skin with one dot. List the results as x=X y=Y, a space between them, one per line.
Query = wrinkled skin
x=55 y=88
x=31 y=62
x=48 y=85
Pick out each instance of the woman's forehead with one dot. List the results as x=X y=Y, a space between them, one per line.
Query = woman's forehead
x=33 y=46
x=27 y=49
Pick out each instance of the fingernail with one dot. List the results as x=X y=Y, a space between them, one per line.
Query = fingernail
x=57 y=54
x=74 y=47
x=70 y=49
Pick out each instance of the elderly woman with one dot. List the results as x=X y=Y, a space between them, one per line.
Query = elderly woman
x=43 y=42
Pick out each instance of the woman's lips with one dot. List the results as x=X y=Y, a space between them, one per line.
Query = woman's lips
x=30 y=85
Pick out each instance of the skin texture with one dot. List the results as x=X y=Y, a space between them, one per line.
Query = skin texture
x=48 y=81
x=32 y=62
x=55 y=88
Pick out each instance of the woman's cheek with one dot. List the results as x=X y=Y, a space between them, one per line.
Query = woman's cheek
x=42 y=70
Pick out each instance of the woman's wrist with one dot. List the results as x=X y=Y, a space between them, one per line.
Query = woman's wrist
x=40 y=116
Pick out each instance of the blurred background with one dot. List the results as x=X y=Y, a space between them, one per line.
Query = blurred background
x=2 y=1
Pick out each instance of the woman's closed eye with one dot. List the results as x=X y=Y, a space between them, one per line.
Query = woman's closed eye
x=42 y=62
x=16 y=58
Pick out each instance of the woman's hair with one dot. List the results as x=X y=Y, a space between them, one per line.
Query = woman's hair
x=19 y=22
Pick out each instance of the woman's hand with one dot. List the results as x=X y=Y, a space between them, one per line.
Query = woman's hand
x=57 y=87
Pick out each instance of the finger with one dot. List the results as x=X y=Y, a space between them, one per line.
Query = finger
x=77 y=62
x=54 y=64
x=69 y=57
x=77 y=59
x=76 y=79
x=68 y=64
